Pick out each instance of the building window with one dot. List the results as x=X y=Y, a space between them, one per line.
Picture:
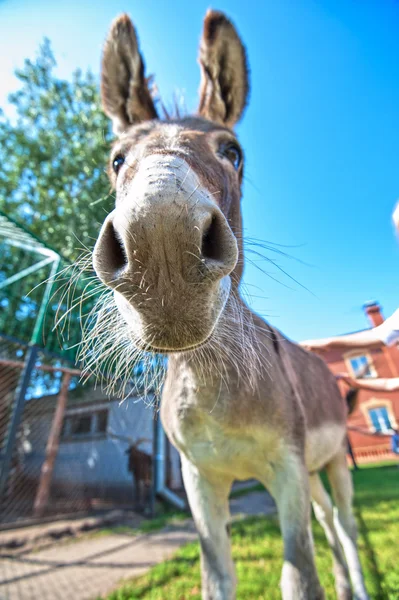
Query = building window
x=85 y=425
x=379 y=417
x=361 y=366
x=102 y=421
x=81 y=425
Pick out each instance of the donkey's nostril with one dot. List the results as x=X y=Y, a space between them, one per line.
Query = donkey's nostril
x=211 y=241
x=218 y=246
x=117 y=253
x=111 y=254
x=112 y=250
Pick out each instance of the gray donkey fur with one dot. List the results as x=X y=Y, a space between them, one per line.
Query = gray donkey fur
x=240 y=400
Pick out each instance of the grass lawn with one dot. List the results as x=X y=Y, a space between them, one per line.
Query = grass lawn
x=257 y=551
x=164 y=518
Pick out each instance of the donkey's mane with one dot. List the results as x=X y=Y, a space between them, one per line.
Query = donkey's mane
x=173 y=113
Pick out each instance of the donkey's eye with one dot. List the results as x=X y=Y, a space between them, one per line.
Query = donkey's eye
x=118 y=162
x=233 y=153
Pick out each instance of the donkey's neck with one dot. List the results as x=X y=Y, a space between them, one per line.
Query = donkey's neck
x=223 y=385
x=236 y=357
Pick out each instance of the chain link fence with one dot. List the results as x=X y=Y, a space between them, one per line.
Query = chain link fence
x=68 y=448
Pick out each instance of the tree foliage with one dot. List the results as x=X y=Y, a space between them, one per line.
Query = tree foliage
x=53 y=157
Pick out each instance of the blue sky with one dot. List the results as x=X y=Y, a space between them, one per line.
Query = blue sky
x=320 y=133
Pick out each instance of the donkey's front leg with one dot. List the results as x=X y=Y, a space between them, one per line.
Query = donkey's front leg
x=208 y=498
x=290 y=489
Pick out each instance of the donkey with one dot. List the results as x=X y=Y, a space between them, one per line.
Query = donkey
x=240 y=400
x=141 y=467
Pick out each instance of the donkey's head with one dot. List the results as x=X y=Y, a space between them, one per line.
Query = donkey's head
x=172 y=249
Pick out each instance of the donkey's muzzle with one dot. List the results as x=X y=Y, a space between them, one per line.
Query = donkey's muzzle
x=169 y=245
x=167 y=249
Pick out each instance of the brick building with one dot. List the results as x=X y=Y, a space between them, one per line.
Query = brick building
x=376 y=412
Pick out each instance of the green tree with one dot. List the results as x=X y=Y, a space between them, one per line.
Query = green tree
x=53 y=157
x=53 y=180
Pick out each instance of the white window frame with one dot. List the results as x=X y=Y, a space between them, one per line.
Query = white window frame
x=348 y=357
x=378 y=403
x=383 y=429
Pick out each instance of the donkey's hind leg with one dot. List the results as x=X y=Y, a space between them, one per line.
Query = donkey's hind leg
x=324 y=513
x=345 y=524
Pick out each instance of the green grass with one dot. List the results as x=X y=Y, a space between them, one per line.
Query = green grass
x=256 y=487
x=166 y=517
x=389 y=462
x=257 y=551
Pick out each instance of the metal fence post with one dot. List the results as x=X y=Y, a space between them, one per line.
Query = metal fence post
x=15 y=419
x=350 y=450
x=154 y=463
x=41 y=315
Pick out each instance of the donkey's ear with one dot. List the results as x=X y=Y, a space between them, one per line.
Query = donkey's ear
x=224 y=72
x=125 y=96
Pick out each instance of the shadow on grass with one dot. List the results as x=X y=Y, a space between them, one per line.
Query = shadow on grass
x=370 y=556
x=162 y=575
x=257 y=542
